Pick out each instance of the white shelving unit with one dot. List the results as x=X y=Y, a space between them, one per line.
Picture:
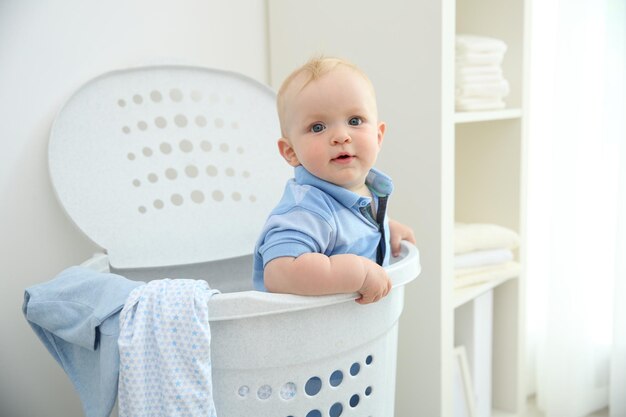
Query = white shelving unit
x=446 y=166
x=489 y=187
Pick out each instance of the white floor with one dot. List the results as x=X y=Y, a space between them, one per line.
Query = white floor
x=533 y=411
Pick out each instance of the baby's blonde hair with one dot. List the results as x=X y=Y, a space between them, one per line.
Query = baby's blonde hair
x=312 y=70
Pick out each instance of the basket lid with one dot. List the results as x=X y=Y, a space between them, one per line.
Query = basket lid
x=168 y=165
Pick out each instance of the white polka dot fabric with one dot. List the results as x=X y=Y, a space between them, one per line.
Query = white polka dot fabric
x=165 y=352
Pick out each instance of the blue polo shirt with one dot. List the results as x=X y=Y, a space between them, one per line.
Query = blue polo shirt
x=317 y=216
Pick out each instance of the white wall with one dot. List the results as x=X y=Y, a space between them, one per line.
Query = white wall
x=47 y=50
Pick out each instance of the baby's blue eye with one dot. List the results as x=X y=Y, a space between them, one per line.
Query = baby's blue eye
x=355 y=121
x=317 y=127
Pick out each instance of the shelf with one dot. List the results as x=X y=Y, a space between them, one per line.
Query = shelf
x=485 y=116
x=463 y=295
x=499 y=413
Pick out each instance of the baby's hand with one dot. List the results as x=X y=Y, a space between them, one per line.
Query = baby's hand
x=397 y=233
x=376 y=284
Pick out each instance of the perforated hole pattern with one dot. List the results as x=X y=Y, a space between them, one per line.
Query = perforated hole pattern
x=176 y=146
x=312 y=387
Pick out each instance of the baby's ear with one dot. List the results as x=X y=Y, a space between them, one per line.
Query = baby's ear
x=381 y=133
x=287 y=152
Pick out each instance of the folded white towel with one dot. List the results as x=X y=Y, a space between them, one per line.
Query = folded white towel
x=482 y=258
x=494 y=70
x=475 y=276
x=478 y=78
x=479 y=104
x=495 y=90
x=476 y=43
x=488 y=58
x=469 y=237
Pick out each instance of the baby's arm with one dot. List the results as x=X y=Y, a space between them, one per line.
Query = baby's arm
x=318 y=274
x=397 y=233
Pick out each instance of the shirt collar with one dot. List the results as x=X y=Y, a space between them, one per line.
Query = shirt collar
x=379 y=183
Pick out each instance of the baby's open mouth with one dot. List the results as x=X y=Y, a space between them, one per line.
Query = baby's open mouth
x=344 y=158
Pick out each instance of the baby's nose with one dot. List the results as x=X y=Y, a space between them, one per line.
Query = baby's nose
x=341 y=136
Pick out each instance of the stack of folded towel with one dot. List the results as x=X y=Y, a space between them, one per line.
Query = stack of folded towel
x=483 y=252
x=480 y=84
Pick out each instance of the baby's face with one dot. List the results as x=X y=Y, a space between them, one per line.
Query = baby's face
x=332 y=128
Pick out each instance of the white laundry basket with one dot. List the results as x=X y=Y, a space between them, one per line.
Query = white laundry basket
x=173 y=170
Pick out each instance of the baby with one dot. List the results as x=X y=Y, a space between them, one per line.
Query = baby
x=329 y=234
